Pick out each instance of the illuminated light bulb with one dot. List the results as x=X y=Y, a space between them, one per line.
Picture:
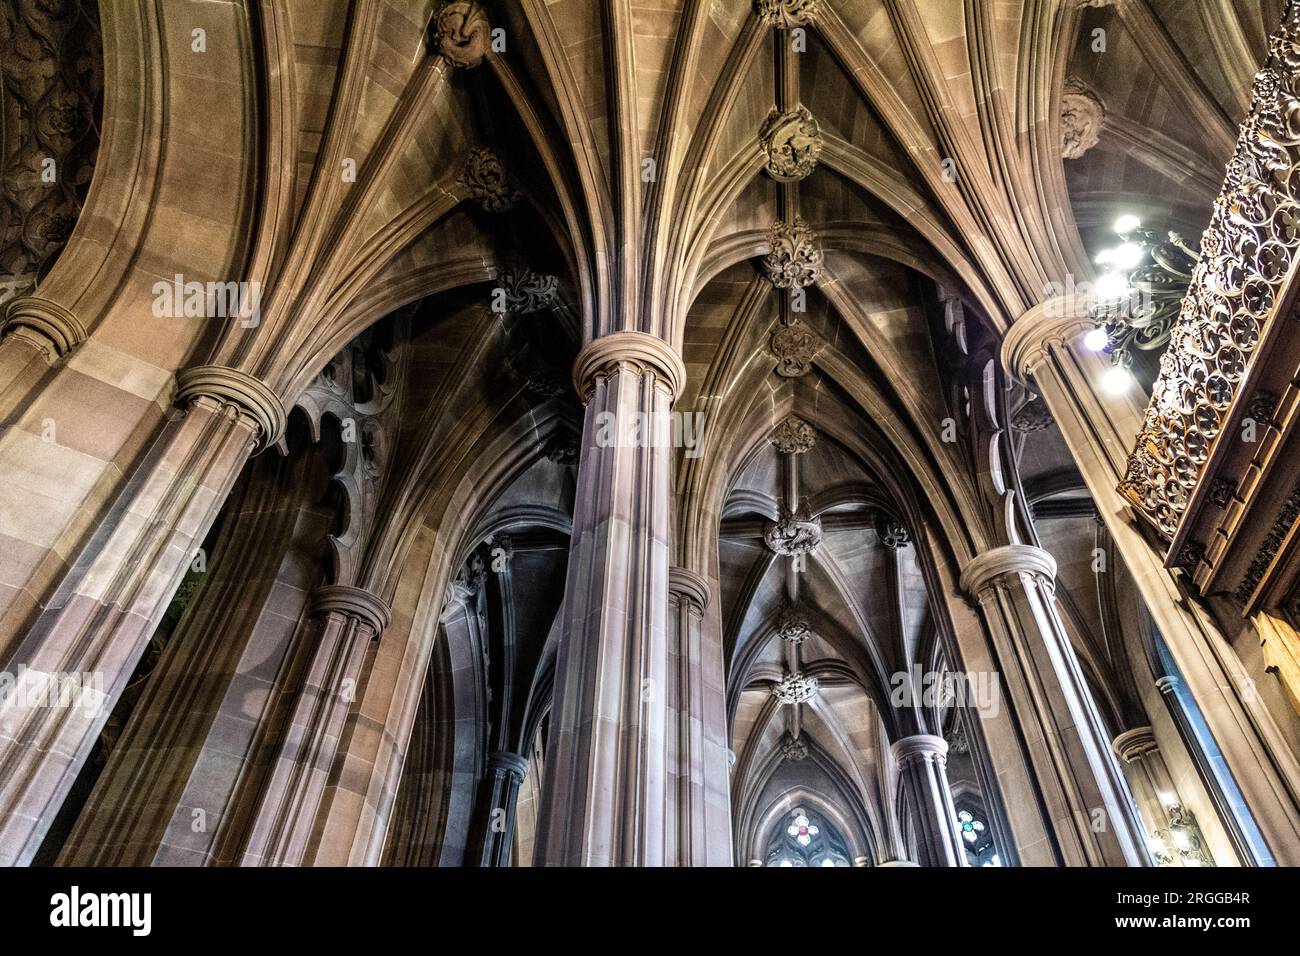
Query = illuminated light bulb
x=1116 y=380
x=1127 y=256
x=1126 y=224
x=1105 y=257
x=1111 y=286
x=1096 y=339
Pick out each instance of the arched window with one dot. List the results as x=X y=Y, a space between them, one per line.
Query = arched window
x=976 y=837
x=805 y=840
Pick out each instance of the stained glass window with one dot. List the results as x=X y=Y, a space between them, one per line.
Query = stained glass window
x=805 y=839
x=803 y=829
x=970 y=827
x=977 y=837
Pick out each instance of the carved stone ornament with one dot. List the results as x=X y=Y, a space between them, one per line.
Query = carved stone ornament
x=1247 y=252
x=792 y=142
x=784 y=14
x=461 y=33
x=793 y=748
x=526 y=291
x=793 y=436
x=893 y=534
x=796 y=258
x=794 y=347
x=1082 y=115
x=793 y=534
x=795 y=688
x=1032 y=416
x=52 y=63
x=487 y=182
x=791 y=626
x=562 y=447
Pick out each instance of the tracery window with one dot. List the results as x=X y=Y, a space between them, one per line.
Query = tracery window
x=805 y=840
x=977 y=837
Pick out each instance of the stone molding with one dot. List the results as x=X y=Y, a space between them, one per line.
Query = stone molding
x=230 y=386
x=55 y=329
x=507 y=762
x=1052 y=322
x=1133 y=745
x=601 y=357
x=352 y=602
x=986 y=569
x=688 y=585
x=919 y=747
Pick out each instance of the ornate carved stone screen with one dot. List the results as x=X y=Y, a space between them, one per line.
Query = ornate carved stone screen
x=1216 y=469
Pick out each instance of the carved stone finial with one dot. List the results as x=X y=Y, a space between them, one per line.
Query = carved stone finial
x=793 y=436
x=796 y=688
x=791 y=626
x=525 y=291
x=461 y=33
x=891 y=532
x=796 y=258
x=784 y=14
x=792 y=141
x=794 y=347
x=793 y=534
x=486 y=181
x=1081 y=117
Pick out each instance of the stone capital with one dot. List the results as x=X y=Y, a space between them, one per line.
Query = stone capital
x=52 y=328
x=1133 y=745
x=642 y=351
x=351 y=602
x=229 y=386
x=1054 y=321
x=507 y=762
x=689 y=586
x=988 y=568
x=919 y=747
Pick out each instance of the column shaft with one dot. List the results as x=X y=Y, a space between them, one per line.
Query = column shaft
x=107 y=608
x=1099 y=432
x=603 y=800
x=1088 y=803
x=699 y=813
x=922 y=765
x=348 y=619
x=497 y=806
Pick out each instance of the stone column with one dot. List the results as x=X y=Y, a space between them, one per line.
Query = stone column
x=505 y=775
x=923 y=766
x=603 y=799
x=1084 y=793
x=699 y=816
x=1162 y=808
x=110 y=603
x=1099 y=430
x=348 y=619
